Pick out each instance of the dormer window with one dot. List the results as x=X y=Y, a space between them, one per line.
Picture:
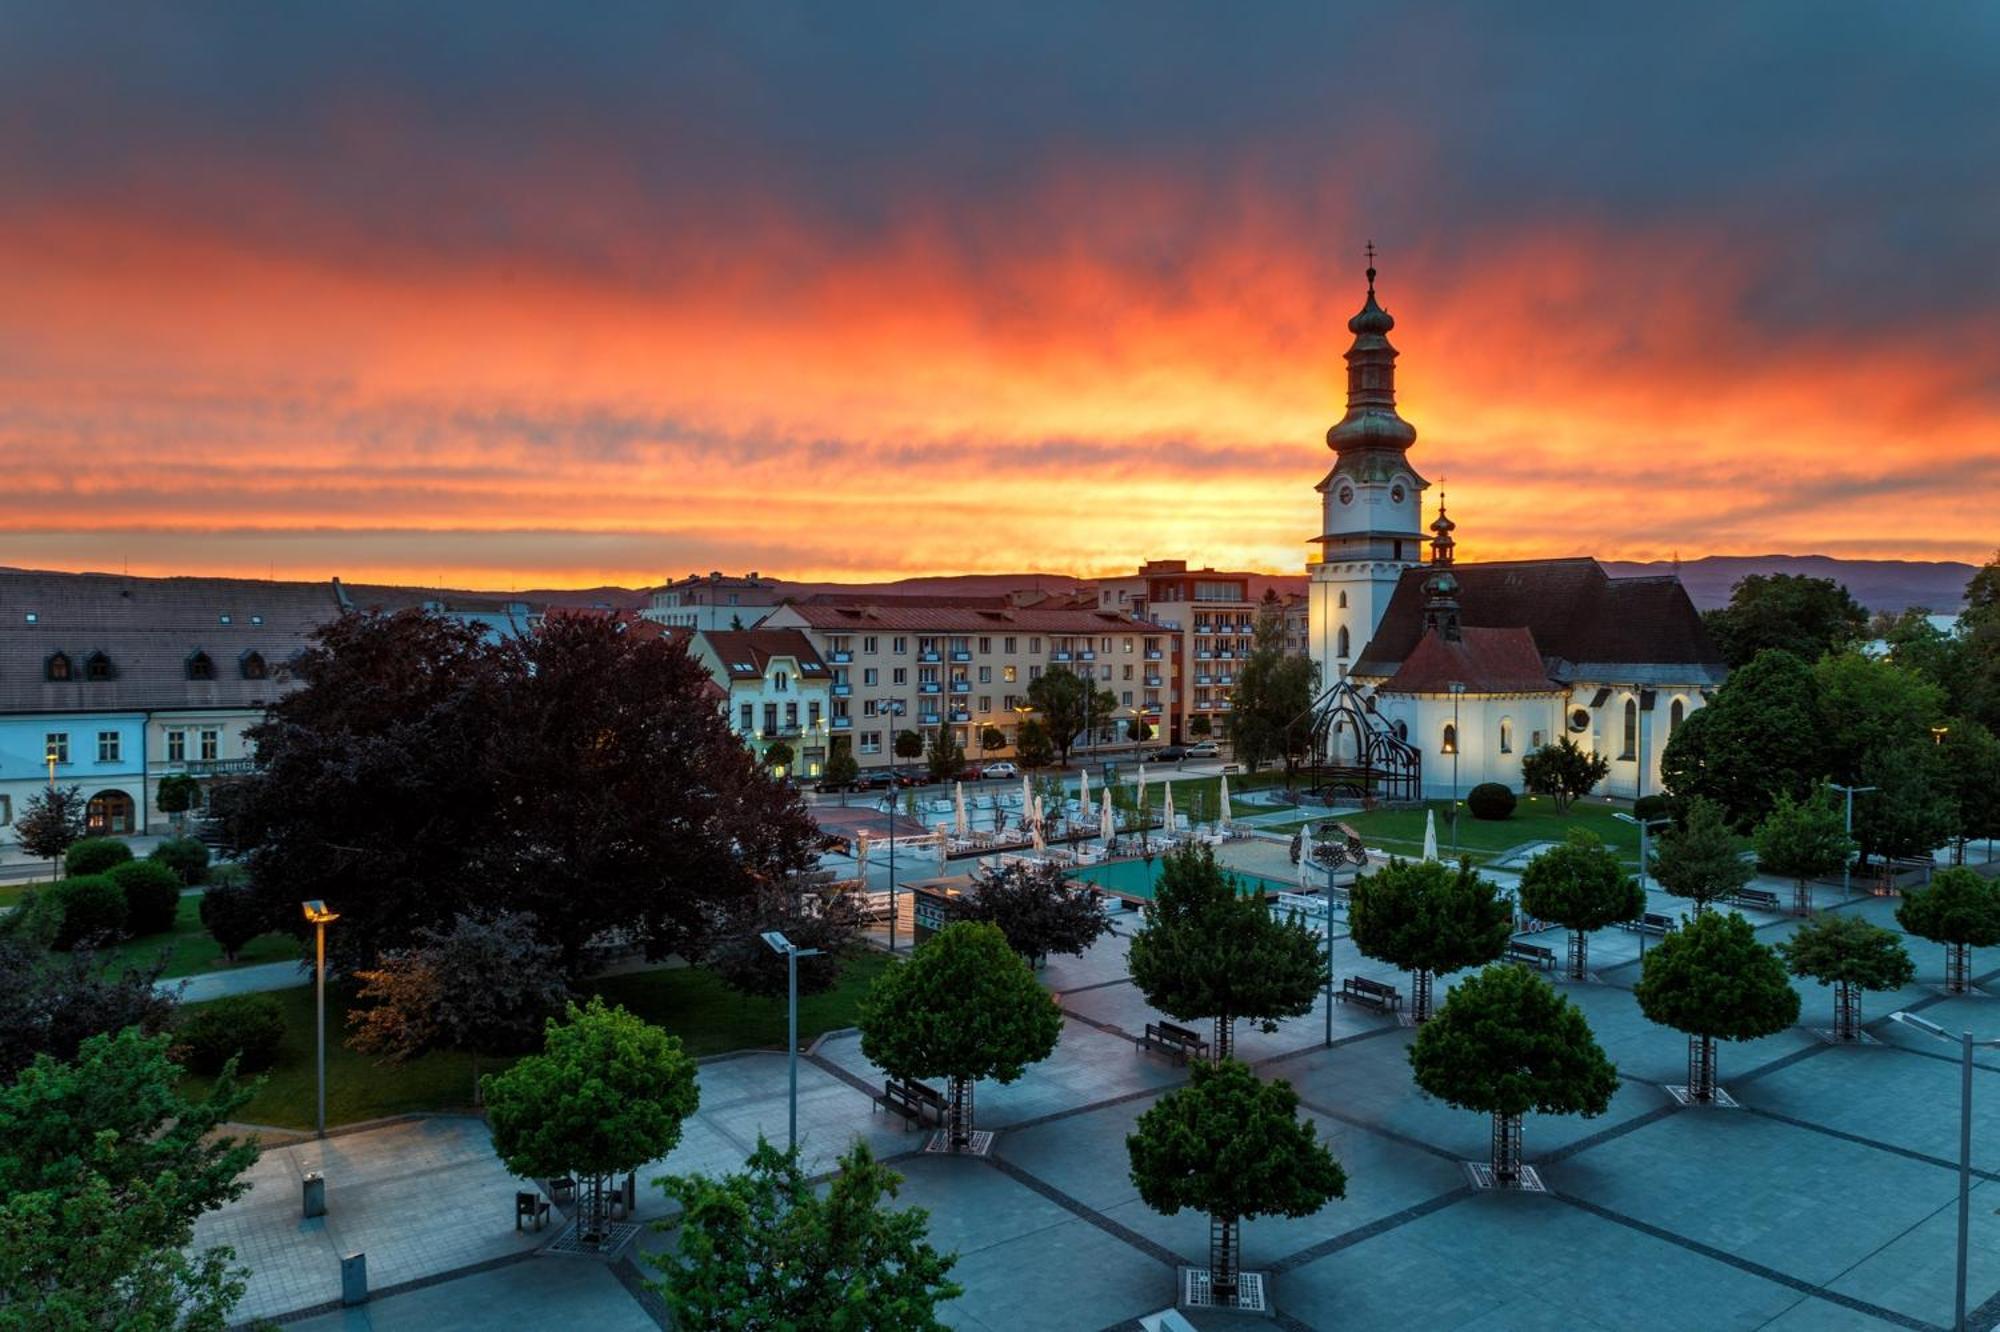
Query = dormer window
x=57 y=668
x=97 y=666
x=224 y=619
x=200 y=666
x=252 y=664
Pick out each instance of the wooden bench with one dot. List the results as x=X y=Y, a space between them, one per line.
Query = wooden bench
x=1760 y=898
x=1176 y=1041
x=530 y=1207
x=912 y=1100
x=1531 y=954
x=1650 y=923
x=1361 y=990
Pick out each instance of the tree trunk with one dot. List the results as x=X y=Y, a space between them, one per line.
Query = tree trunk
x=959 y=1115
x=1801 y=898
x=1957 y=967
x=478 y=1093
x=1420 y=996
x=1846 y=1010
x=1506 y=1150
x=1224 y=1045
x=1701 y=1069
x=593 y=1221
x=1579 y=955
x=1223 y=1259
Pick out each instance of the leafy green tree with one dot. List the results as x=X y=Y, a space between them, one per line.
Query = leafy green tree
x=909 y=745
x=1851 y=955
x=91 y=911
x=1234 y=1147
x=1581 y=886
x=1563 y=771
x=1430 y=919
x=1803 y=839
x=486 y=984
x=104 y=1166
x=152 y=893
x=186 y=857
x=95 y=855
x=1032 y=744
x=1911 y=811
x=177 y=794
x=1698 y=860
x=1207 y=950
x=607 y=1094
x=1807 y=617
x=965 y=1006
x=1505 y=1043
x=1271 y=706
x=233 y=914
x=1763 y=734
x=1872 y=706
x=763 y=1249
x=1038 y=909
x=1070 y=705
x=1960 y=910
x=51 y=821
x=1138 y=731
x=1712 y=979
x=1199 y=727
x=51 y=1003
x=841 y=768
x=1943 y=658
x=812 y=918
x=1970 y=766
x=778 y=756
x=945 y=757
x=991 y=738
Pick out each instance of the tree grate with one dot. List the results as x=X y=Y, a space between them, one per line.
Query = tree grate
x=1482 y=1177
x=1252 y=1295
x=618 y=1235
x=1721 y=1100
x=1833 y=1037
x=978 y=1143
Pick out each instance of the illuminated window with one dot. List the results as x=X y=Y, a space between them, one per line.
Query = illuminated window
x=1450 y=743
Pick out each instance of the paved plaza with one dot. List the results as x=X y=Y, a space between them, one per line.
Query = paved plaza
x=1828 y=1201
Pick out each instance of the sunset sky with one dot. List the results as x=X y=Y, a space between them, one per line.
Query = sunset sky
x=500 y=294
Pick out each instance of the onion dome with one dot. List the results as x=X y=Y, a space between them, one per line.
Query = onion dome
x=1442 y=543
x=1371 y=421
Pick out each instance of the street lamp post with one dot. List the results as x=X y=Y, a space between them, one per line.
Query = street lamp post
x=1644 y=826
x=779 y=943
x=1305 y=849
x=319 y=917
x=1965 y=1045
x=894 y=707
x=1847 y=866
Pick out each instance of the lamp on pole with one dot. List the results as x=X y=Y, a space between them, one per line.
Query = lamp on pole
x=1965 y=1045
x=792 y=952
x=52 y=758
x=1457 y=743
x=894 y=708
x=319 y=917
x=1847 y=866
x=1644 y=826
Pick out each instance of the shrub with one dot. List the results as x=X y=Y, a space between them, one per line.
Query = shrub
x=249 y=1027
x=1490 y=800
x=228 y=874
x=186 y=857
x=152 y=896
x=1653 y=807
x=232 y=914
x=95 y=855
x=93 y=910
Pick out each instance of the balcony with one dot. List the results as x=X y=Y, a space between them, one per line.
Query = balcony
x=843 y=723
x=960 y=715
x=929 y=718
x=927 y=656
x=960 y=654
x=213 y=767
x=1153 y=654
x=961 y=686
x=930 y=687
x=842 y=690
x=1060 y=656
x=1204 y=679
x=840 y=658
x=1086 y=656
x=1154 y=681
x=1204 y=655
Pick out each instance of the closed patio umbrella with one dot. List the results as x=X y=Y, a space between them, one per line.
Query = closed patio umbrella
x=1168 y=818
x=1107 y=827
x=960 y=825
x=1430 y=834
x=1082 y=793
x=1222 y=803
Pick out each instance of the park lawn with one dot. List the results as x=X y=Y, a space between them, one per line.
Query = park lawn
x=1401 y=831
x=191 y=952
x=690 y=1002
x=1209 y=787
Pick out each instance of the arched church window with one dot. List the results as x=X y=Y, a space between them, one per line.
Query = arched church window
x=1450 y=742
x=1343 y=601
x=1631 y=729
x=1343 y=640
x=1506 y=735
x=1403 y=732
x=1676 y=715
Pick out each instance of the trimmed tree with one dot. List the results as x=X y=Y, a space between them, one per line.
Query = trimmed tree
x=763 y=1249
x=1430 y=919
x=812 y=919
x=233 y=915
x=909 y=745
x=178 y=793
x=1763 y=734
x=1563 y=771
x=95 y=855
x=1234 y=1147
x=944 y=757
x=1505 y=1043
x=1209 y=951
x=778 y=756
x=1801 y=840
x=51 y=1003
x=1033 y=746
x=51 y=821
x=152 y=895
x=1581 y=886
x=1960 y=910
x=186 y=857
x=1698 y=860
x=1851 y=955
x=1712 y=979
x=1200 y=728
x=1039 y=910
x=841 y=767
x=1069 y=704
x=963 y=1007
x=991 y=738
x=607 y=1094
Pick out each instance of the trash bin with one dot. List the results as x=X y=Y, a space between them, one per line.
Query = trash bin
x=354 y=1279
x=314 y=1186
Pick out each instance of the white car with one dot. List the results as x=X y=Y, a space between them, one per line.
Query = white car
x=1003 y=768
x=1204 y=749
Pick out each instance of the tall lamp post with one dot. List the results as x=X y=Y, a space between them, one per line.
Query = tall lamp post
x=1644 y=826
x=1965 y=1045
x=1457 y=743
x=792 y=953
x=1847 y=866
x=319 y=917
x=894 y=708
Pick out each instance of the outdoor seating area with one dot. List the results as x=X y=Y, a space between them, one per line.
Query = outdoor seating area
x=1534 y=955
x=1178 y=1042
x=1370 y=993
x=916 y=1102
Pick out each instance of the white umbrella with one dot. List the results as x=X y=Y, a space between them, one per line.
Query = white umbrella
x=1027 y=796
x=1107 y=828
x=1035 y=833
x=1222 y=803
x=1082 y=792
x=861 y=857
x=1168 y=820
x=1139 y=800
x=1430 y=835
x=960 y=825
x=1305 y=863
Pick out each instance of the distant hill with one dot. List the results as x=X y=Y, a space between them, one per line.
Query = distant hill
x=1880 y=585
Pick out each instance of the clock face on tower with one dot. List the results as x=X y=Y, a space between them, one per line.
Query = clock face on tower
x=1395 y=494
x=1347 y=494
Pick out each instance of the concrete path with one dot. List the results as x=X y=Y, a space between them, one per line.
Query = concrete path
x=255 y=979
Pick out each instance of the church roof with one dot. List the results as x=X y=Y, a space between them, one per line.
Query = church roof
x=1485 y=661
x=1579 y=616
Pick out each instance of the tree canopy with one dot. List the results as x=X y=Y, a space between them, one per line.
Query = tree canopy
x=1803 y=839
x=808 y=915
x=1563 y=771
x=1711 y=977
x=764 y=1249
x=1425 y=915
x=964 y=1005
x=1764 y=734
x=1839 y=949
x=1807 y=617
x=1959 y=907
x=1580 y=885
x=1698 y=860
x=1504 y=1043
x=1069 y=705
x=51 y=820
x=51 y=1003
x=1038 y=909
x=1270 y=707
x=945 y=757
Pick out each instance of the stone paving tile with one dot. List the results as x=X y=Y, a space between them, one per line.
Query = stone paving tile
x=1888 y=1094
x=539 y=1293
x=1643 y=1049
x=1914 y=1273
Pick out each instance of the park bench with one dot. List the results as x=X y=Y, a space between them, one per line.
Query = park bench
x=912 y=1100
x=1361 y=990
x=1176 y=1041
x=1650 y=923
x=1759 y=898
x=1531 y=954
x=530 y=1207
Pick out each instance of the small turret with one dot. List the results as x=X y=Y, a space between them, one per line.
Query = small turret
x=1442 y=526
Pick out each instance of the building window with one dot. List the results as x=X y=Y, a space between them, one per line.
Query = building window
x=1343 y=641
x=749 y=718
x=252 y=664
x=1537 y=739
x=869 y=675
x=898 y=646
x=1034 y=647
x=1034 y=673
x=985 y=644
x=791 y=716
x=107 y=746
x=57 y=743
x=177 y=746
x=1007 y=646
x=770 y=719
x=1506 y=735
x=868 y=644
x=211 y=746
x=6 y=810
x=901 y=675
x=1631 y=729
x=1403 y=732
x=1128 y=673
x=781 y=681
x=200 y=667
x=1449 y=744
x=871 y=742
x=56 y=668
x=1343 y=601
x=1675 y=716
x=986 y=702
x=812 y=713
x=986 y=675
x=1008 y=674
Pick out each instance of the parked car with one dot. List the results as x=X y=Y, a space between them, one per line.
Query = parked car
x=1003 y=768
x=875 y=779
x=1168 y=754
x=1204 y=749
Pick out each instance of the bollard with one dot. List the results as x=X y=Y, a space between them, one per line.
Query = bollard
x=315 y=1193
x=354 y=1279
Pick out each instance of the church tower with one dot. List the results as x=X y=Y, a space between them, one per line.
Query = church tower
x=1371 y=503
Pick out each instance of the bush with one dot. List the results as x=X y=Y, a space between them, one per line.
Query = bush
x=1490 y=800
x=93 y=911
x=249 y=1027
x=232 y=914
x=186 y=857
x=228 y=874
x=95 y=855
x=1653 y=807
x=152 y=896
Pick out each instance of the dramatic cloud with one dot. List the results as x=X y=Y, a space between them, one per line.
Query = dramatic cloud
x=506 y=295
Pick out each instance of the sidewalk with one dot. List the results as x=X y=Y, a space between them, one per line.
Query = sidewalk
x=242 y=980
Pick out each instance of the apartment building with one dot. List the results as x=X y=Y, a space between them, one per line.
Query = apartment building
x=1210 y=620
x=916 y=663
x=714 y=601
x=778 y=691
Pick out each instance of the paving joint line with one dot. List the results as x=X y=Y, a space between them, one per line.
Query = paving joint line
x=1381 y=1225
x=1354 y=1121
x=1856 y=1138
x=1157 y=1252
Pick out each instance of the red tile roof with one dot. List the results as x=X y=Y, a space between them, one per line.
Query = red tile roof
x=745 y=653
x=929 y=617
x=1485 y=661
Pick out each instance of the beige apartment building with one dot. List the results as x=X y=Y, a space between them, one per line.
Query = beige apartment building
x=917 y=663
x=1210 y=621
